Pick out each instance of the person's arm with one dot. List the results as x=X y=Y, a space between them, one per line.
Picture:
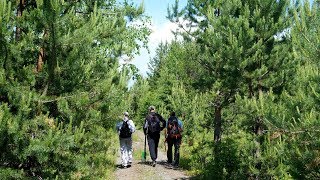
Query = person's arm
x=145 y=126
x=132 y=126
x=162 y=121
x=118 y=127
x=166 y=132
x=180 y=125
x=169 y=125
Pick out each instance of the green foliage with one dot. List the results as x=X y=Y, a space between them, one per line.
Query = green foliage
x=306 y=36
x=8 y=173
x=44 y=148
x=250 y=59
x=304 y=94
x=62 y=90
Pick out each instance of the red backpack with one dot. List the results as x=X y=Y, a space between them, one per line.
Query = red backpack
x=174 y=131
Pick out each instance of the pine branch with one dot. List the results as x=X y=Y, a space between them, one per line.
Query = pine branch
x=308 y=40
x=278 y=132
x=66 y=97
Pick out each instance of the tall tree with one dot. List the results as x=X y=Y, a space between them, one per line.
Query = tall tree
x=244 y=51
x=303 y=94
x=56 y=119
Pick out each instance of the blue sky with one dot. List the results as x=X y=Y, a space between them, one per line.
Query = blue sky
x=161 y=29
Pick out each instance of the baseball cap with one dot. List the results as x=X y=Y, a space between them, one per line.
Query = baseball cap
x=151 y=108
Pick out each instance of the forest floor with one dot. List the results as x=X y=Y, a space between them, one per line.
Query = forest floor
x=143 y=170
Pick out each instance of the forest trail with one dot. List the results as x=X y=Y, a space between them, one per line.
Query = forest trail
x=143 y=170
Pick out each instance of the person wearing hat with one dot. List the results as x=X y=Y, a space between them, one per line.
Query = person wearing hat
x=125 y=128
x=154 y=123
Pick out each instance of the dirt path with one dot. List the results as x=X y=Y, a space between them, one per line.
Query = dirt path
x=143 y=170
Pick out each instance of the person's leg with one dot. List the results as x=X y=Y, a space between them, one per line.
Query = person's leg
x=151 y=145
x=123 y=150
x=177 y=143
x=169 y=151
x=127 y=152
x=156 y=142
x=130 y=151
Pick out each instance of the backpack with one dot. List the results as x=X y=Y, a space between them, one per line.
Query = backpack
x=153 y=123
x=125 y=131
x=174 y=132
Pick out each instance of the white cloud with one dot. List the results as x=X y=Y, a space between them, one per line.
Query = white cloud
x=160 y=33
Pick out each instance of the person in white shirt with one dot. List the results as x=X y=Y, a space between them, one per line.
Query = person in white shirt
x=125 y=129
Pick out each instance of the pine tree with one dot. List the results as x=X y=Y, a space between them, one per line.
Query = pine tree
x=243 y=50
x=302 y=96
x=61 y=88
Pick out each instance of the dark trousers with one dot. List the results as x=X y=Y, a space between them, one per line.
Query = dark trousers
x=176 y=143
x=153 y=142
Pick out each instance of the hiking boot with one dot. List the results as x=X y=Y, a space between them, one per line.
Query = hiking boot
x=169 y=166
x=129 y=165
x=175 y=167
x=154 y=163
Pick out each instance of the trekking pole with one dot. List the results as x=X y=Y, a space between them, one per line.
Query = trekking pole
x=165 y=145
x=144 y=153
x=145 y=148
x=165 y=140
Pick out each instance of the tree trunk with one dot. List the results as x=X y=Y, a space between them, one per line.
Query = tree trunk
x=52 y=62
x=251 y=93
x=40 y=60
x=258 y=130
x=19 y=14
x=217 y=138
x=42 y=54
x=50 y=48
x=217 y=123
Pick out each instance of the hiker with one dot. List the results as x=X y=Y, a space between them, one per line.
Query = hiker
x=125 y=129
x=154 y=123
x=174 y=128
